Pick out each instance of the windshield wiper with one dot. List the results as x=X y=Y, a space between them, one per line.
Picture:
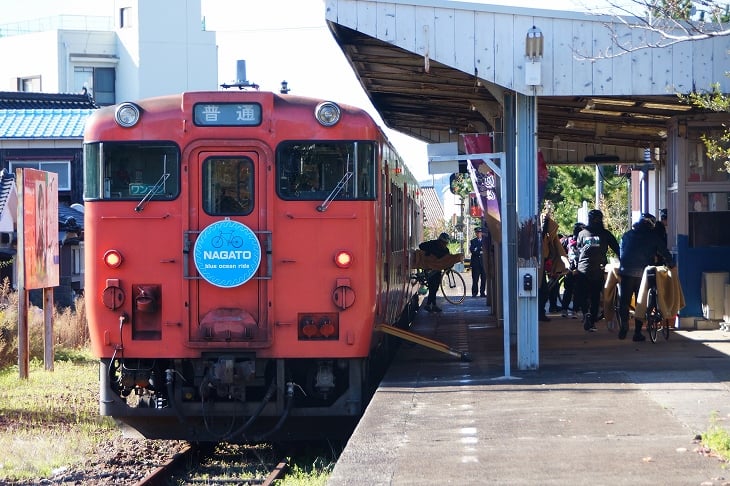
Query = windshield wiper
x=152 y=191
x=340 y=185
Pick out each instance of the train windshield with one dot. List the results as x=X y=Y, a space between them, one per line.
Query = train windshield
x=311 y=171
x=131 y=171
x=228 y=186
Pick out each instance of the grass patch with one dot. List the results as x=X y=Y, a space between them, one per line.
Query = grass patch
x=50 y=420
x=717 y=439
x=315 y=474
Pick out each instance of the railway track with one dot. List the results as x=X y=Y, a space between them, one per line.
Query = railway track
x=221 y=463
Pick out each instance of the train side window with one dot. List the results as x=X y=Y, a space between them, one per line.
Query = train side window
x=131 y=170
x=365 y=183
x=228 y=187
x=311 y=171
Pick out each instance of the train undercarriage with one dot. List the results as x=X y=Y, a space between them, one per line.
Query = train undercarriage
x=234 y=397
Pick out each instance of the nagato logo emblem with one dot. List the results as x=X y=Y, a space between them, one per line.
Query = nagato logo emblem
x=227 y=253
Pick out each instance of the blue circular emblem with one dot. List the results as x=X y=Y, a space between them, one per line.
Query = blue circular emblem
x=227 y=253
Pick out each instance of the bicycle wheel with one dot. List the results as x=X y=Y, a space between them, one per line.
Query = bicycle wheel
x=652 y=316
x=453 y=287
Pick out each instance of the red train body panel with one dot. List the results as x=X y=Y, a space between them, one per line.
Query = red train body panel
x=239 y=253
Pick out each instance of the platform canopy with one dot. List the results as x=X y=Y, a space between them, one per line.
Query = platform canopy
x=437 y=68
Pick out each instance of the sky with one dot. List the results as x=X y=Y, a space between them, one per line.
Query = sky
x=296 y=47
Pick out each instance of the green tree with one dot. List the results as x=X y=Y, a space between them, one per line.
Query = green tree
x=718 y=148
x=460 y=185
x=569 y=186
x=615 y=207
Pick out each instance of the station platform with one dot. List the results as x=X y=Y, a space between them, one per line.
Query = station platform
x=598 y=410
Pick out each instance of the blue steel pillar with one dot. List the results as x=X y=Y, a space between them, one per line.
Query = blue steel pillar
x=509 y=216
x=523 y=223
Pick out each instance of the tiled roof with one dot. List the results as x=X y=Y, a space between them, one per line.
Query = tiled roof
x=70 y=219
x=7 y=184
x=43 y=123
x=30 y=100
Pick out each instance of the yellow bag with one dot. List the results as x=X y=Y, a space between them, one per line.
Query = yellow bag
x=430 y=262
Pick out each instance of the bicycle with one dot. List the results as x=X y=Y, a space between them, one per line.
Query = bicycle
x=453 y=287
x=654 y=318
x=226 y=237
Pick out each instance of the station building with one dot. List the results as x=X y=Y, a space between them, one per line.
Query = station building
x=575 y=87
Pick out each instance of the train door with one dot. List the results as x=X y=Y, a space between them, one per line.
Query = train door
x=226 y=244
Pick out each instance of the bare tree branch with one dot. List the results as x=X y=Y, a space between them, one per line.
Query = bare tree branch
x=663 y=22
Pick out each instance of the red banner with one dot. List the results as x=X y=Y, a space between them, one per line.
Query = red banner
x=485 y=181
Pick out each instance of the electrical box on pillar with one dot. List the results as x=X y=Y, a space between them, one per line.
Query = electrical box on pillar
x=527 y=283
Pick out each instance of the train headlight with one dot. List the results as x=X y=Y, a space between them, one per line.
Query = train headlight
x=127 y=114
x=327 y=113
x=113 y=259
x=343 y=259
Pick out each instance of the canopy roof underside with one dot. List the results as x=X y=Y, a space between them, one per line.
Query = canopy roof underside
x=434 y=102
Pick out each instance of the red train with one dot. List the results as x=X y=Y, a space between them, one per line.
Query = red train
x=241 y=247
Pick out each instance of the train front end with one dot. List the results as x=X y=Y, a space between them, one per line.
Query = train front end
x=231 y=252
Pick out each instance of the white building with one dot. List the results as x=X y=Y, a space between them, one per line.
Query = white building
x=144 y=48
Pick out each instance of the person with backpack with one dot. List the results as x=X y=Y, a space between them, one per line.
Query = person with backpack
x=570 y=243
x=593 y=244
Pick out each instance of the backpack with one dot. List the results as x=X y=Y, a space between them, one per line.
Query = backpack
x=571 y=249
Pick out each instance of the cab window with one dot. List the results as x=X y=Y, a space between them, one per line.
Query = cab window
x=316 y=170
x=131 y=170
x=228 y=186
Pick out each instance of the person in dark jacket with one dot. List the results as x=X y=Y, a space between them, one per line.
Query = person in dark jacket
x=438 y=248
x=660 y=228
x=570 y=243
x=639 y=248
x=553 y=265
x=478 y=272
x=592 y=245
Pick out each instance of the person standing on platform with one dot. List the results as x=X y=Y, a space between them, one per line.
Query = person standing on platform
x=478 y=272
x=554 y=287
x=593 y=244
x=570 y=243
x=553 y=265
x=640 y=247
x=437 y=248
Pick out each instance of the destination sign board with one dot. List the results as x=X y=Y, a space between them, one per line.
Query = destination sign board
x=227 y=114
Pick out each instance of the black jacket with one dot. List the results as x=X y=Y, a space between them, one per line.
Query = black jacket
x=639 y=246
x=593 y=244
x=436 y=248
x=475 y=248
